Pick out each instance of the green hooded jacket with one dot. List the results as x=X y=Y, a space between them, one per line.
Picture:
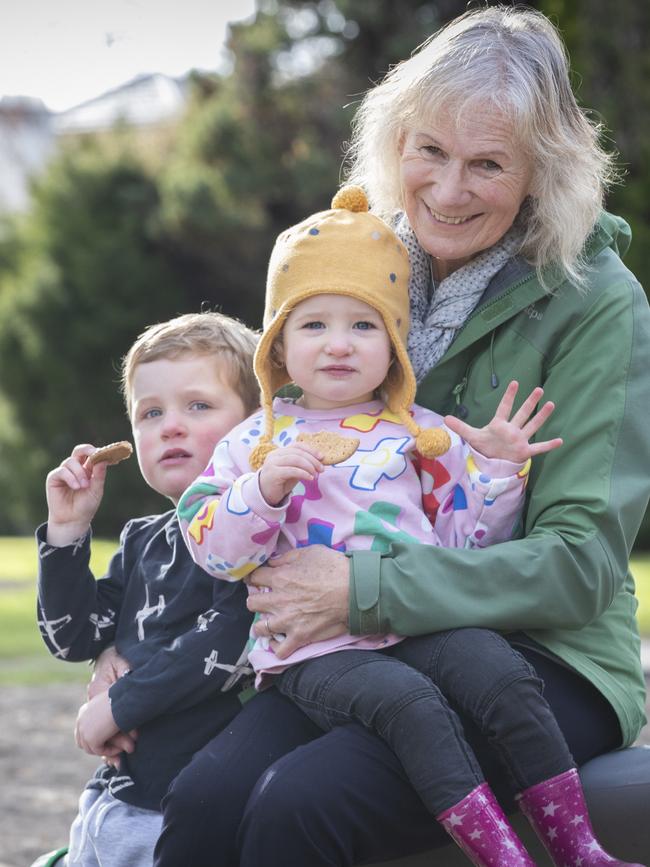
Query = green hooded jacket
x=565 y=579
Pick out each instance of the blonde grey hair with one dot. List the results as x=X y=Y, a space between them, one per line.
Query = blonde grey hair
x=513 y=60
x=210 y=334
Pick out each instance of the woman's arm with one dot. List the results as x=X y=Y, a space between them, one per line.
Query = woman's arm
x=586 y=502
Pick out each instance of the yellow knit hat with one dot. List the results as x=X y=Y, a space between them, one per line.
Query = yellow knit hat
x=343 y=251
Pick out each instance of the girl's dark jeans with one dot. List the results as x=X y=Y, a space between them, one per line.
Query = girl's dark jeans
x=272 y=789
x=410 y=696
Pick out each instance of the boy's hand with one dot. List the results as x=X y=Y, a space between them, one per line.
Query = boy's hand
x=507 y=438
x=73 y=496
x=96 y=732
x=286 y=466
x=109 y=667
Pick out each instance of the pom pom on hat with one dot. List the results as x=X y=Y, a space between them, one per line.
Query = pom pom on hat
x=432 y=442
x=351 y=198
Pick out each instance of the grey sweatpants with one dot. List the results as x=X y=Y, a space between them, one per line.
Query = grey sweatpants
x=108 y=832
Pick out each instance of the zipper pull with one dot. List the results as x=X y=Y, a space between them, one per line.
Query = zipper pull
x=461 y=410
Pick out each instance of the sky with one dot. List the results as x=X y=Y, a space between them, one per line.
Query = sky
x=67 y=51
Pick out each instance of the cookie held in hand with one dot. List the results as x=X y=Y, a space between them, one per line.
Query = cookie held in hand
x=110 y=454
x=333 y=447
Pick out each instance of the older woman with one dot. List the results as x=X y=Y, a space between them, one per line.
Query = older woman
x=476 y=150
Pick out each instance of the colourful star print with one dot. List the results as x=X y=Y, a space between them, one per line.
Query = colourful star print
x=203 y=520
x=386 y=460
x=367 y=421
x=320 y=533
x=380 y=521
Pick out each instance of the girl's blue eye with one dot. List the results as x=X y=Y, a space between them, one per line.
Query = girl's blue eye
x=151 y=413
x=315 y=324
x=200 y=404
x=364 y=326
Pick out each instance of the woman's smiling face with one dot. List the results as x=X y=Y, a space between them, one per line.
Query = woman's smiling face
x=462 y=183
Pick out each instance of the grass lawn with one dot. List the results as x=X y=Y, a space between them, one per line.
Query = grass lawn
x=23 y=657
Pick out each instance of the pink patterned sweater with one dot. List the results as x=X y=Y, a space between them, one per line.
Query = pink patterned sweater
x=386 y=492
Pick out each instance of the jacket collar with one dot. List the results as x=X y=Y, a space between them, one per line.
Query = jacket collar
x=515 y=287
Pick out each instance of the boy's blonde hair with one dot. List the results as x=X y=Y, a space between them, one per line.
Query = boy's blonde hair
x=209 y=333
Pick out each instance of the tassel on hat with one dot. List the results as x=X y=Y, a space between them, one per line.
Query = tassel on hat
x=342 y=251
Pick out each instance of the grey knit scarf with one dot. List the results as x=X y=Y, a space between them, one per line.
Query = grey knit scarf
x=435 y=320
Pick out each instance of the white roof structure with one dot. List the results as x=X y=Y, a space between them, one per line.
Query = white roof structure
x=26 y=143
x=29 y=131
x=148 y=99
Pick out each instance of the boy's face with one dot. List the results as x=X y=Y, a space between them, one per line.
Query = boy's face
x=337 y=349
x=180 y=408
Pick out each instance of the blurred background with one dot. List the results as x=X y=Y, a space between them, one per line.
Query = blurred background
x=150 y=152
x=131 y=192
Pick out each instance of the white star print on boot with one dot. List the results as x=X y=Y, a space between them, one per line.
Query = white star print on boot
x=480 y=827
x=557 y=810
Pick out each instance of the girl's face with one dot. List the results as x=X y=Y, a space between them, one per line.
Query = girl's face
x=463 y=184
x=336 y=349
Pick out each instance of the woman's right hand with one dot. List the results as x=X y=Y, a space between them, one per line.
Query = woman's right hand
x=73 y=496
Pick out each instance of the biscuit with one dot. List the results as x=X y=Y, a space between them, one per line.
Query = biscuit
x=333 y=447
x=110 y=454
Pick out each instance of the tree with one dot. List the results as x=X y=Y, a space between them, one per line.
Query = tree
x=88 y=271
x=117 y=239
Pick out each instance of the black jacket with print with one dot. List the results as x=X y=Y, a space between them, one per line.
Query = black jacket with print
x=184 y=635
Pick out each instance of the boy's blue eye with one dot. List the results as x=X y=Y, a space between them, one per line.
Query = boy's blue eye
x=151 y=413
x=200 y=404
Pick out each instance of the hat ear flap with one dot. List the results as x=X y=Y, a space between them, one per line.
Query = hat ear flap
x=393 y=385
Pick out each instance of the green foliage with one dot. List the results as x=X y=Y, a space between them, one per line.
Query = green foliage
x=127 y=229
x=23 y=656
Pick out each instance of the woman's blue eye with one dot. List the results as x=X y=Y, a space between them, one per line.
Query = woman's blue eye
x=491 y=166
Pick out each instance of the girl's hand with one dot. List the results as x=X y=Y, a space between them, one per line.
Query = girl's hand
x=286 y=466
x=73 y=496
x=507 y=438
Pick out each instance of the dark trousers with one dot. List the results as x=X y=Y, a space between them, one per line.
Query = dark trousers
x=411 y=696
x=271 y=789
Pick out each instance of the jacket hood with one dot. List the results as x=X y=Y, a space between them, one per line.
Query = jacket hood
x=610 y=231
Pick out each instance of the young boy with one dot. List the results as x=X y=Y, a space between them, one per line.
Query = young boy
x=186 y=382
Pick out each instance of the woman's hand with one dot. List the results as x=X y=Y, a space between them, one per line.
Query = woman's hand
x=306 y=599
x=506 y=438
